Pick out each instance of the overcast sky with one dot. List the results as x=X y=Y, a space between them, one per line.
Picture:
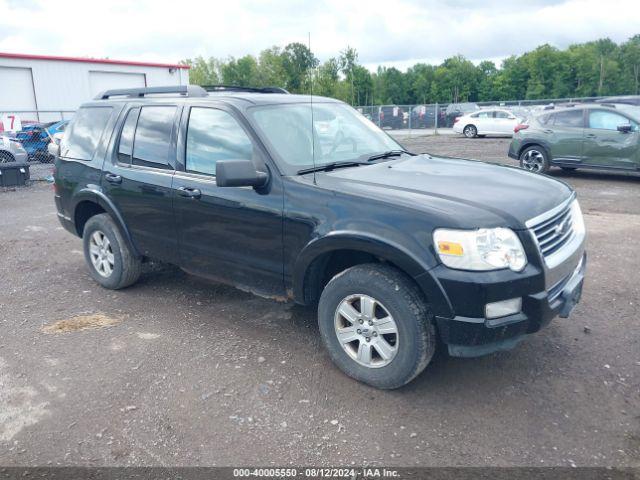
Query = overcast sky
x=386 y=32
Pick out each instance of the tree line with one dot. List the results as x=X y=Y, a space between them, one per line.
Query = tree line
x=598 y=68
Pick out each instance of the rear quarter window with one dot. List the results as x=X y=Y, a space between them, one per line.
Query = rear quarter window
x=84 y=132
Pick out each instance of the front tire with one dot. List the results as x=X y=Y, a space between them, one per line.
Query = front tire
x=110 y=260
x=470 y=131
x=376 y=325
x=535 y=159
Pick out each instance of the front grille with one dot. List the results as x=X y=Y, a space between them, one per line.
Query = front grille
x=554 y=232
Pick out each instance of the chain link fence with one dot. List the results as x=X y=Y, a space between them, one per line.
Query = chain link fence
x=30 y=132
x=33 y=130
x=441 y=116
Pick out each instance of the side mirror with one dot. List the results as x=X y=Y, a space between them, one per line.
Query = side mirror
x=625 y=128
x=239 y=173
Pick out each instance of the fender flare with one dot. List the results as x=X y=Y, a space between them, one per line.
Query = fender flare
x=530 y=142
x=97 y=196
x=416 y=268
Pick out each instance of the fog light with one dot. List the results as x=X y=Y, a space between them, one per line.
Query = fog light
x=503 y=308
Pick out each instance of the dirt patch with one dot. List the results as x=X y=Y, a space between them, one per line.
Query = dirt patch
x=82 y=322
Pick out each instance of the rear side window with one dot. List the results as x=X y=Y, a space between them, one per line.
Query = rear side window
x=569 y=118
x=214 y=135
x=152 y=140
x=125 y=146
x=545 y=119
x=604 y=120
x=84 y=133
x=502 y=115
x=486 y=114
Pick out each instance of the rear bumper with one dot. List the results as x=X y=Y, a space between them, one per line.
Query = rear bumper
x=475 y=336
x=512 y=151
x=65 y=221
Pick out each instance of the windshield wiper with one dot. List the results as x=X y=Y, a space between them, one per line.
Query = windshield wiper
x=369 y=157
x=330 y=166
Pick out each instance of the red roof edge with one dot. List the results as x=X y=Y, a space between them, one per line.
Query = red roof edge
x=23 y=56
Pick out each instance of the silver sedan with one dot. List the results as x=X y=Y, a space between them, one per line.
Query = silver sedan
x=12 y=151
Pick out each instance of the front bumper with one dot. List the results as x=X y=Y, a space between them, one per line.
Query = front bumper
x=475 y=335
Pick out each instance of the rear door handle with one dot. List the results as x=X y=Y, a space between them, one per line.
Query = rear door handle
x=590 y=135
x=112 y=178
x=189 y=192
x=547 y=130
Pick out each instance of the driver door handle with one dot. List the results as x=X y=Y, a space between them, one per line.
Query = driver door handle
x=189 y=192
x=590 y=135
x=112 y=178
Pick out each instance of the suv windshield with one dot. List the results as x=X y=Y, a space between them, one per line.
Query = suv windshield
x=340 y=134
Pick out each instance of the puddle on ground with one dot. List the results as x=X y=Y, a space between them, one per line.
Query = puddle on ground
x=82 y=322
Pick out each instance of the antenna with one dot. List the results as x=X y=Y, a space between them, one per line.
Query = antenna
x=313 y=137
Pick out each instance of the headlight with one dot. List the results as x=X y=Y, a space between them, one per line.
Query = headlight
x=483 y=249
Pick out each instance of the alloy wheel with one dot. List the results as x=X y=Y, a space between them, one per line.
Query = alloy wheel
x=533 y=161
x=101 y=253
x=470 y=131
x=366 y=331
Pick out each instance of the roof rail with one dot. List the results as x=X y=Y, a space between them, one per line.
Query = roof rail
x=236 y=88
x=186 y=90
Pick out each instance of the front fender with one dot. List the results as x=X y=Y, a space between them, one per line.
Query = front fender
x=93 y=193
x=417 y=268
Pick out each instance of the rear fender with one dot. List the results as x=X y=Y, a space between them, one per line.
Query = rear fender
x=93 y=193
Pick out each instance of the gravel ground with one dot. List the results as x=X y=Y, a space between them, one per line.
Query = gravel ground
x=180 y=371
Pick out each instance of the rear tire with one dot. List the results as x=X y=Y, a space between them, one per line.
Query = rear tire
x=110 y=260
x=470 y=131
x=398 y=325
x=535 y=159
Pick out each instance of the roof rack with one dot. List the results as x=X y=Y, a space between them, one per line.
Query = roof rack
x=236 y=88
x=186 y=90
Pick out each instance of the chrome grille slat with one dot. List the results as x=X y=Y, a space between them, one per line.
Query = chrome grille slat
x=548 y=239
x=551 y=238
x=554 y=221
x=562 y=240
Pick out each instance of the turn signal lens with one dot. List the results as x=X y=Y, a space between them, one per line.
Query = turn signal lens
x=450 y=248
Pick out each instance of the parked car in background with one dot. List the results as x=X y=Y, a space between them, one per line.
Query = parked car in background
x=423 y=116
x=455 y=110
x=486 y=122
x=390 y=116
x=584 y=136
x=11 y=151
x=35 y=138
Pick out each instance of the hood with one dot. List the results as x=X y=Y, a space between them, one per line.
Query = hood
x=465 y=193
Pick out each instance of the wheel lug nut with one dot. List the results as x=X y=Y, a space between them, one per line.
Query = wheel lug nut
x=368 y=339
x=359 y=331
x=360 y=321
x=370 y=322
x=375 y=334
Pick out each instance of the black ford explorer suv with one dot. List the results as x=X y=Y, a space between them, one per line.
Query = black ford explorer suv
x=399 y=251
